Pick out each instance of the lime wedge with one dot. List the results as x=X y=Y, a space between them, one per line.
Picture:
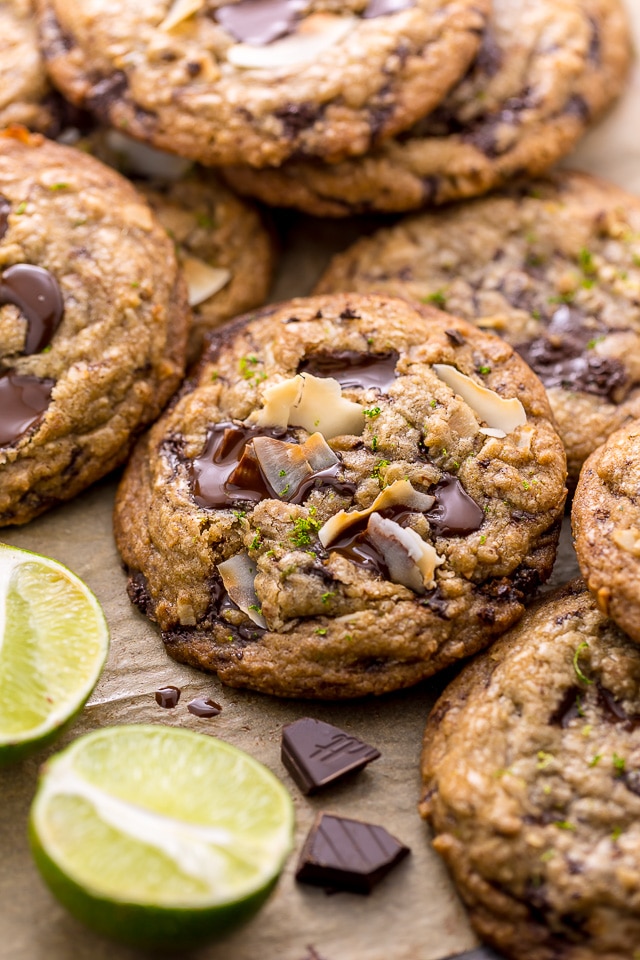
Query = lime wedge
x=53 y=644
x=157 y=836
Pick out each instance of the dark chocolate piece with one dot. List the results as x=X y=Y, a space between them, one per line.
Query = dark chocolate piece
x=317 y=754
x=260 y=22
x=5 y=210
x=204 y=708
x=23 y=400
x=382 y=8
x=167 y=697
x=348 y=854
x=353 y=369
x=455 y=513
x=37 y=295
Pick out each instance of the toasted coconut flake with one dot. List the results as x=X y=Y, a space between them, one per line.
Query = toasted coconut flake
x=410 y=560
x=318 y=453
x=202 y=280
x=180 y=10
x=497 y=413
x=283 y=464
x=141 y=158
x=628 y=540
x=492 y=432
x=399 y=493
x=238 y=576
x=316 y=33
x=315 y=403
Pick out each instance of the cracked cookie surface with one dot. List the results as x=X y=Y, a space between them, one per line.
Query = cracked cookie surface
x=260 y=80
x=606 y=527
x=532 y=785
x=93 y=322
x=321 y=514
x=551 y=265
x=545 y=72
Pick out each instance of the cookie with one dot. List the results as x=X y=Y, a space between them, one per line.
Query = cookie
x=531 y=769
x=323 y=514
x=546 y=71
x=606 y=527
x=93 y=321
x=260 y=80
x=223 y=243
x=553 y=266
x=25 y=94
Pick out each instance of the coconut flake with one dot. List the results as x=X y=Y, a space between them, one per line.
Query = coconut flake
x=202 y=280
x=141 y=158
x=315 y=403
x=628 y=540
x=286 y=465
x=497 y=413
x=316 y=33
x=492 y=432
x=410 y=560
x=238 y=576
x=399 y=493
x=181 y=10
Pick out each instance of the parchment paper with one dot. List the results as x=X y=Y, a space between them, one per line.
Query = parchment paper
x=414 y=914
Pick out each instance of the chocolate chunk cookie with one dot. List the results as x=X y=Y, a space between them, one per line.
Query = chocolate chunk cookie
x=531 y=770
x=606 y=527
x=553 y=266
x=546 y=70
x=258 y=81
x=350 y=494
x=25 y=94
x=93 y=321
x=222 y=242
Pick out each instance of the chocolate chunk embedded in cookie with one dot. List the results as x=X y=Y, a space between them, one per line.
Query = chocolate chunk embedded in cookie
x=260 y=80
x=531 y=768
x=351 y=493
x=545 y=72
x=93 y=322
x=551 y=265
x=606 y=527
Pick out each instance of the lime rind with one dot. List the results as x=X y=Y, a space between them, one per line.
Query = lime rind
x=54 y=641
x=125 y=868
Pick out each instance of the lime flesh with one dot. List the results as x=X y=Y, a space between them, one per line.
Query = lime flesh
x=54 y=641
x=158 y=836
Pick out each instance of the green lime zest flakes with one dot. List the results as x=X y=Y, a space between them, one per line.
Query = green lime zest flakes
x=585 y=259
x=616 y=833
x=594 y=342
x=536 y=314
x=303 y=529
x=619 y=764
x=327 y=596
x=437 y=298
x=547 y=855
x=246 y=367
x=59 y=186
x=321 y=631
x=484 y=370
x=374 y=444
x=595 y=760
x=255 y=543
x=562 y=297
x=20 y=209
x=483 y=538
x=239 y=514
x=544 y=760
x=256 y=607
x=636 y=261
x=564 y=825
x=525 y=485
x=372 y=412
x=47 y=349
x=284 y=491
x=205 y=220
x=433 y=404
x=380 y=465
x=576 y=665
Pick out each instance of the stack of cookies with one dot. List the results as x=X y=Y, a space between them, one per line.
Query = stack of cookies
x=354 y=490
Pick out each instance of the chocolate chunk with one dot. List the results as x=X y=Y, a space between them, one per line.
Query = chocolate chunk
x=455 y=513
x=37 y=295
x=490 y=55
x=297 y=117
x=317 y=754
x=167 y=697
x=5 y=209
x=353 y=369
x=106 y=92
x=577 y=106
x=455 y=337
x=260 y=22
x=23 y=400
x=382 y=8
x=348 y=854
x=204 y=708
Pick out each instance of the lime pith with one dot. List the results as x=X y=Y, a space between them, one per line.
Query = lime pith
x=54 y=641
x=155 y=835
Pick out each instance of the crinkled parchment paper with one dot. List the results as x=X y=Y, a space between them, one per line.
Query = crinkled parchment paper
x=414 y=914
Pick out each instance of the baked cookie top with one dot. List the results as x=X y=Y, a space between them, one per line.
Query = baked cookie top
x=350 y=494
x=606 y=527
x=93 y=321
x=25 y=94
x=222 y=242
x=531 y=768
x=258 y=81
x=553 y=266
x=545 y=71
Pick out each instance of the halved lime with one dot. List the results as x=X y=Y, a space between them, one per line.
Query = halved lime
x=157 y=836
x=53 y=644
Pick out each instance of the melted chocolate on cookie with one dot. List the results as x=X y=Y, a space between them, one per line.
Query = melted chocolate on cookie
x=23 y=400
x=353 y=369
x=37 y=295
x=455 y=513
